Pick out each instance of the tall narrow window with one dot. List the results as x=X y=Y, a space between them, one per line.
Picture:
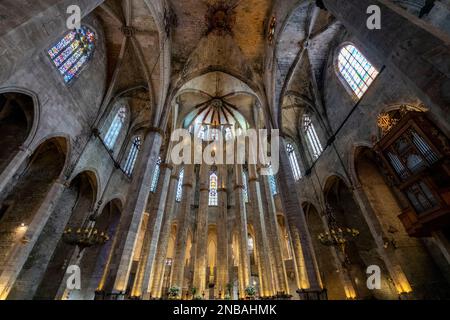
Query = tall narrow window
x=202 y=132
x=228 y=134
x=245 y=189
x=357 y=71
x=114 y=129
x=293 y=160
x=179 y=194
x=272 y=182
x=73 y=52
x=156 y=175
x=213 y=196
x=313 y=139
x=132 y=155
x=251 y=243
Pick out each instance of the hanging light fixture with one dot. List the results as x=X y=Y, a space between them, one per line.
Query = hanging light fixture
x=337 y=236
x=87 y=235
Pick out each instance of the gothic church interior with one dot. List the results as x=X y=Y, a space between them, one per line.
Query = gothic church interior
x=88 y=185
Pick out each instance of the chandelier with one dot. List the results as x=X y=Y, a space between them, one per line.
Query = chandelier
x=337 y=236
x=84 y=237
x=87 y=235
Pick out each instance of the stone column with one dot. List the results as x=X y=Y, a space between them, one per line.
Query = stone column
x=413 y=50
x=21 y=251
x=178 y=265
x=34 y=34
x=241 y=226
x=147 y=259
x=273 y=232
x=301 y=239
x=202 y=230
x=222 y=235
x=163 y=242
x=11 y=169
x=257 y=216
x=130 y=222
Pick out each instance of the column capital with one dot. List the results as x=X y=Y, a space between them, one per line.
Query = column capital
x=238 y=186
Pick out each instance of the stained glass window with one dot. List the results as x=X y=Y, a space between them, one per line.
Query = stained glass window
x=313 y=139
x=357 y=71
x=294 y=162
x=228 y=134
x=132 y=155
x=214 y=134
x=251 y=244
x=72 y=52
x=245 y=189
x=202 y=133
x=272 y=182
x=114 y=129
x=156 y=175
x=179 y=194
x=213 y=196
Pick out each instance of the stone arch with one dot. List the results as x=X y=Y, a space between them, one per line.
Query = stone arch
x=117 y=198
x=253 y=87
x=74 y=207
x=19 y=120
x=355 y=149
x=94 y=178
x=26 y=193
x=363 y=251
x=187 y=84
x=329 y=179
x=211 y=262
x=64 y=145
x=387 y=204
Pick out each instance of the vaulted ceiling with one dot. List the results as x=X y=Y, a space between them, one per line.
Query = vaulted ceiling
x=210 y=40
x=245 y=21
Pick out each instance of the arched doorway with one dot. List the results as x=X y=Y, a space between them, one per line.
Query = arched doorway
x=16 y=122
x=363 y=251
x=423 y=275
x=26 y=193
x=74 y=207
x=329 y=271
x=212 y=262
